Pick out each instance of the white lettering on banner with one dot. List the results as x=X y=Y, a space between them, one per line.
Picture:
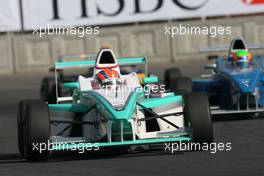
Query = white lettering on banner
x=41 y=13
x=9 y=15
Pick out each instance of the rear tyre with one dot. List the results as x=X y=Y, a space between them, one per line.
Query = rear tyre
x=199 y=117
x=52 y=95
x=46 y=87
x=181 y=85
x=36 y=131
x=171 y=74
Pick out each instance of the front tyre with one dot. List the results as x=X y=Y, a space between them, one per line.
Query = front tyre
x=20 y=120
x=198 y=115
x=36 y=131
x=22 y=113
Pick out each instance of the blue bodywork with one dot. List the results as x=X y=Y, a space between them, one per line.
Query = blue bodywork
x=230 y=81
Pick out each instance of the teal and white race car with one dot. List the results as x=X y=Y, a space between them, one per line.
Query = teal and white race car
x=111 y=110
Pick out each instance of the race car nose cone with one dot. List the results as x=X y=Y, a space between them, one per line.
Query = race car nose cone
x=246 y=82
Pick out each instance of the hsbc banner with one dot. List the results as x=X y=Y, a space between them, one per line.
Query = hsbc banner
x=9 y=15
x=43 y=13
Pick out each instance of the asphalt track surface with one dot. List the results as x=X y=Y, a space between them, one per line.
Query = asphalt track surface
x=245 y=158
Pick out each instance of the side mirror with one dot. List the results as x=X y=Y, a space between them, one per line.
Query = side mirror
x=150 y=80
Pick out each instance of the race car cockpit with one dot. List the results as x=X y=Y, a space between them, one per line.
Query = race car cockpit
x=239 y=56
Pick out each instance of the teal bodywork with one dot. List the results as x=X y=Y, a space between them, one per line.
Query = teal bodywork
x=107 y=109
x=157 y=102
x=68 y=107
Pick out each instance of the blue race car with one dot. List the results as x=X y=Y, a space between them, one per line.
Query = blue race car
x=237 y=82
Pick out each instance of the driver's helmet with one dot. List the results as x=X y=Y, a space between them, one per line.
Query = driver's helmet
x=107 y=76
x=242 y=59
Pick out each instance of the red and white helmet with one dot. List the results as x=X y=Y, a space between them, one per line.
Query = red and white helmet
x=107 y=76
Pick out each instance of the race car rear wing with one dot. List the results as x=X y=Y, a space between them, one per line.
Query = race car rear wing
x=218 y=49
x=91 y=63
x=70 y=57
